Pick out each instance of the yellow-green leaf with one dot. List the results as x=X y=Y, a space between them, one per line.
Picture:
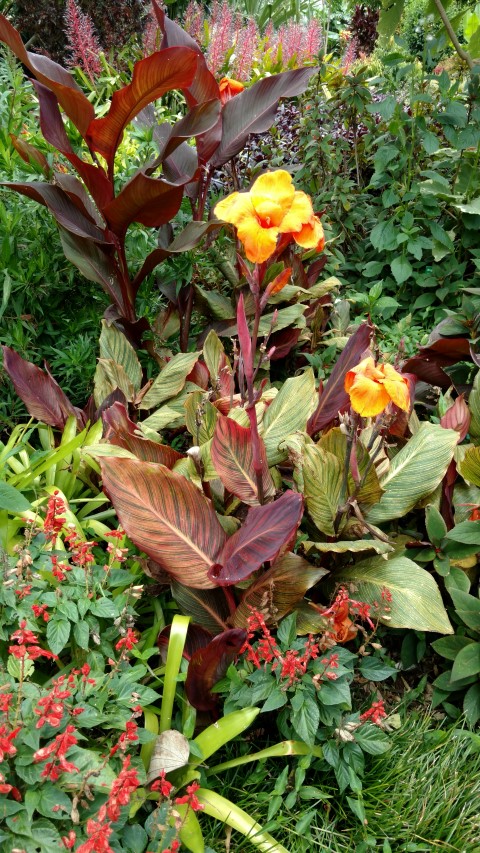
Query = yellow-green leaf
x=115 y=346
x=415 y=471
x=108 y=376
x=170 y=380
x=469 y=468
x=416 y=601
x=322 y=483
x=289 y=412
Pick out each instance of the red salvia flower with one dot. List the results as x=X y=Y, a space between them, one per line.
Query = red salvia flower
x=375 y=714
x=54 y=520
x=6 y=746
x=122 y=789
x=190 y=798
x=162 y=785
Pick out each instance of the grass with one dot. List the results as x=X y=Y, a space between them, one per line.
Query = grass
x=423 y=795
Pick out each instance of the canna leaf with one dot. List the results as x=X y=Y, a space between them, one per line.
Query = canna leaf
x=415 y=472
x=209 y=665
x=173 y=68
x=167 y=517
x=253 y=110
x=266 y=531
x=232 y=456
x=171 y=380
x=42 y=395
x=288 y=413
x=150 y=201
x=416 y=601
x=72 y=100
x=283 y=586
x=121 y=431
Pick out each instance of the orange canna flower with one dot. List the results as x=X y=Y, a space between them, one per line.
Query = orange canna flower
x=371 y=388
x=229 y=88
x=272 y=207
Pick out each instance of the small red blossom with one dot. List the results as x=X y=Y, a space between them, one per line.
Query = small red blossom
x=375 y=714
x=5 y=701
x=5 y=788
x=58 y=749
x=122 y=789
x=22 y=593
x=69 y=840
x=190 y=798
x=162 y=785
x=54 y=521
x=128 y=736
x=128 y=641
x=59 y=569
x=40 y=610
x=6 y=745
x=98 y=834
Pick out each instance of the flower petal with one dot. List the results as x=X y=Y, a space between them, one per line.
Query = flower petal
x=364 y=368
x=259 y=243
x=300 y=214
x=234 y=208
x=272 y=195
x=311 y=236
x=397 y=387
x=368 y=397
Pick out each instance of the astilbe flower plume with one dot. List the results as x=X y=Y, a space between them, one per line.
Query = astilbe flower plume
x=193 y=22
x=221 y=35
x=82 y=41
x=245 y=49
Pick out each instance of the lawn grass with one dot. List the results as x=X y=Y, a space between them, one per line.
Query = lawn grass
x=423 y=795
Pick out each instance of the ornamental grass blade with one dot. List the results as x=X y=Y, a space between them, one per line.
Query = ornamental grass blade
x=266 y=531
x=164 y=70
x=232 y=456
x=227 y=812
x=42 y=395
x=416 y=601
x=122 y=432
x=283 y=587
x=278 y=750
x=209 y=665
x=167 y=517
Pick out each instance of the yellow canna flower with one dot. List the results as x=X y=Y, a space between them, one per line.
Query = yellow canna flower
x=371 y=388
x=272 y=207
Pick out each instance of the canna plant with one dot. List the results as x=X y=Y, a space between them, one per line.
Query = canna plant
x=219 y=522
x=92 y=213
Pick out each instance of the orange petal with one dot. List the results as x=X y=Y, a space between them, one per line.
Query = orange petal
x=364 y=368
x=272 y=195
x=259 y=243
x=311 y=236
x=234 y=208
x=397 y=387
x=368 y=397
x=299 y=215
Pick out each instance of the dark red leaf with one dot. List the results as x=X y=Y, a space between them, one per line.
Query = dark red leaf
x=186 y=240
x=164 y=70
x=333 y=397
x=199 y=375
x=42 y=395
x=283 y=341
x=265 y=532
x=203 y=87
x=121 y=431
x=150 y=201
x=53 y=129
x=428 y=371
x=30 y=154
x=209 y=665
x=63 y=209
x=95 y=262
x=253 y=110
x=197 y=638
x=72 y=100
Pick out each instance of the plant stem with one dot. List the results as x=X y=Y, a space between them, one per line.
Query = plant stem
x=463 y=54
